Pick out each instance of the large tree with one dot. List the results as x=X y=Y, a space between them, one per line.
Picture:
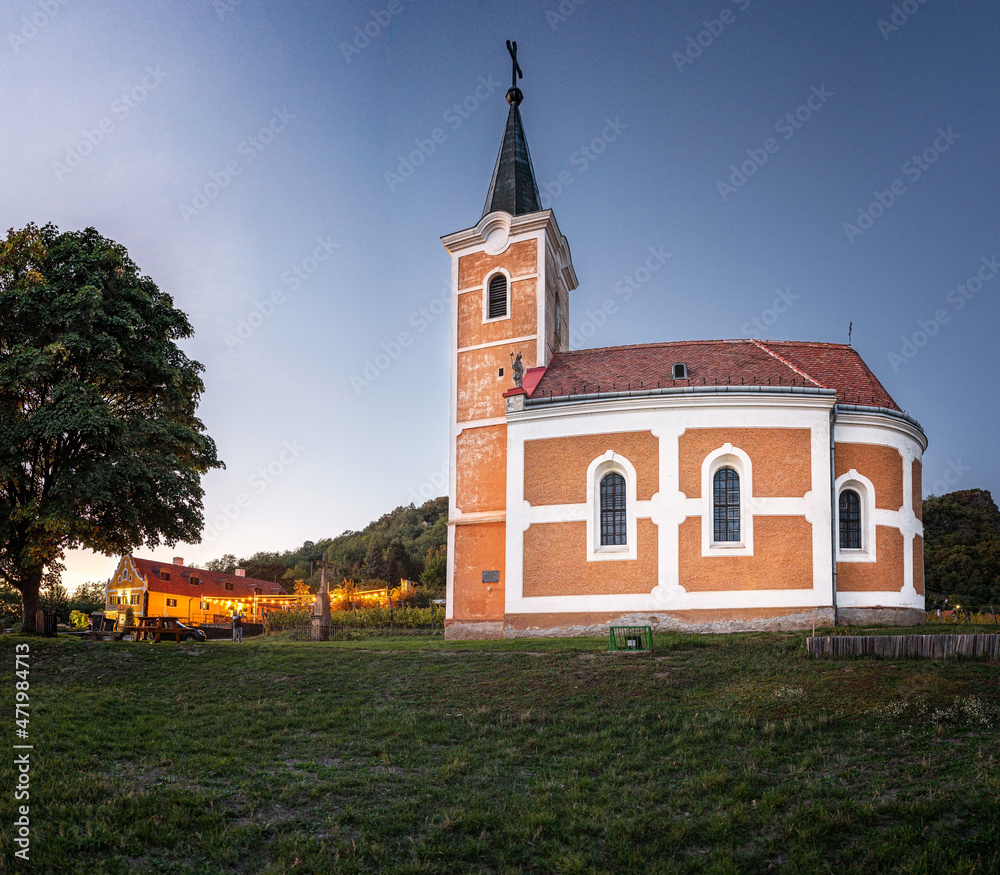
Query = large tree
x=962 y=546
x=99 y=443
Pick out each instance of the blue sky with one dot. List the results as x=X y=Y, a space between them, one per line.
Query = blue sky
x=285 y=172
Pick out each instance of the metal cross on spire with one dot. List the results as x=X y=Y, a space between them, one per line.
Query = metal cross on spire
x=514 y=95
x=515 y=71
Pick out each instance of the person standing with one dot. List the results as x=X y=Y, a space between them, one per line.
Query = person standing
x=238 y=628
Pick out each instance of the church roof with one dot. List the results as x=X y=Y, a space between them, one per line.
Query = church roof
x=513 y=188
x=649 y=366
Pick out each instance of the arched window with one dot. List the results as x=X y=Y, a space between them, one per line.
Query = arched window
x=613 y=523
x=726 y=485
x=497 y=304
x=850 y=520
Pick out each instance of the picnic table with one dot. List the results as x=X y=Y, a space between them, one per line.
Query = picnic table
x=155 y=628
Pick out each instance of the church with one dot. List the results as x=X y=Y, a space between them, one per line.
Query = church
x=704 y=485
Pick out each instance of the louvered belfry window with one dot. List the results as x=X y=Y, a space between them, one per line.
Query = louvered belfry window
x=613 y=510
x=498 y=297
x=850 y=520
x=727 y=505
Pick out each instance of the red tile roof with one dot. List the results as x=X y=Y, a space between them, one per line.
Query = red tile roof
x=715 y=363
x=212 y=585
x=531 y=378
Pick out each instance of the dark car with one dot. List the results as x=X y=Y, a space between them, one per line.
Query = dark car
x=192 y=634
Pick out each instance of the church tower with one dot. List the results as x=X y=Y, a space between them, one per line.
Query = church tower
x=511 y=275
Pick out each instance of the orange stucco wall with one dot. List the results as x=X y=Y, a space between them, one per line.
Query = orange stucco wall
x=555 y=562
x=480 y=390
x=479 y=547
x=918 y=564
x=555 y=469
x=882 y=465
x=918 y=489
x=781 y=458
x=523 y=321
x=782 y=558
x=158 y=608
x=481 y=469
x=519 y=259
x=886 y=574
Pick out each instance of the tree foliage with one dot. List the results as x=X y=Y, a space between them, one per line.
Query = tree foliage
x=89 y=597
x=54 y=597
x=224 y=565
x=962 y=546
x=99 y=443
x=435 y=573
x=392 y=547
x=301 y=589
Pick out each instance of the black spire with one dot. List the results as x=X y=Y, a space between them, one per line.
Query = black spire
x=513 y=188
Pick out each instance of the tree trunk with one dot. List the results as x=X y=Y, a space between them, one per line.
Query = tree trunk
x=31 y=583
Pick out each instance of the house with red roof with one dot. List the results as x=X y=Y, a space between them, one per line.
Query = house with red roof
x=705 y=485
x=192 y=595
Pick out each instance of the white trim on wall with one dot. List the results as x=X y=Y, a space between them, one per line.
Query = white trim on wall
x=726 y=456
x=866 y=493
x=596 y=471
x=667 y=418
x=486 y=295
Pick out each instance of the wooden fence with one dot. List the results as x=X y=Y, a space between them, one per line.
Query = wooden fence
x=981 y=646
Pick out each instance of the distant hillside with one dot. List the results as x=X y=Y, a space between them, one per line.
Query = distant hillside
x=409 y=542
x=962 y=546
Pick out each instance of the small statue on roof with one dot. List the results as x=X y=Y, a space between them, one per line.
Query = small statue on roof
x=517 y=369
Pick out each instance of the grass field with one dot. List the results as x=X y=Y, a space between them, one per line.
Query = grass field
x=717 y=753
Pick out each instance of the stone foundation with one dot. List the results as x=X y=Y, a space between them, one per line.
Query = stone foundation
x=881 y=616
x=717 y=622
x=703 y=621
x=466 y=630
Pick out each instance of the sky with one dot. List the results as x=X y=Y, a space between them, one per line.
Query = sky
x=286 y=171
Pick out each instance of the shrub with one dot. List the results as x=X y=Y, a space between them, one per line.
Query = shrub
x=407 y=617
x=279 y=621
